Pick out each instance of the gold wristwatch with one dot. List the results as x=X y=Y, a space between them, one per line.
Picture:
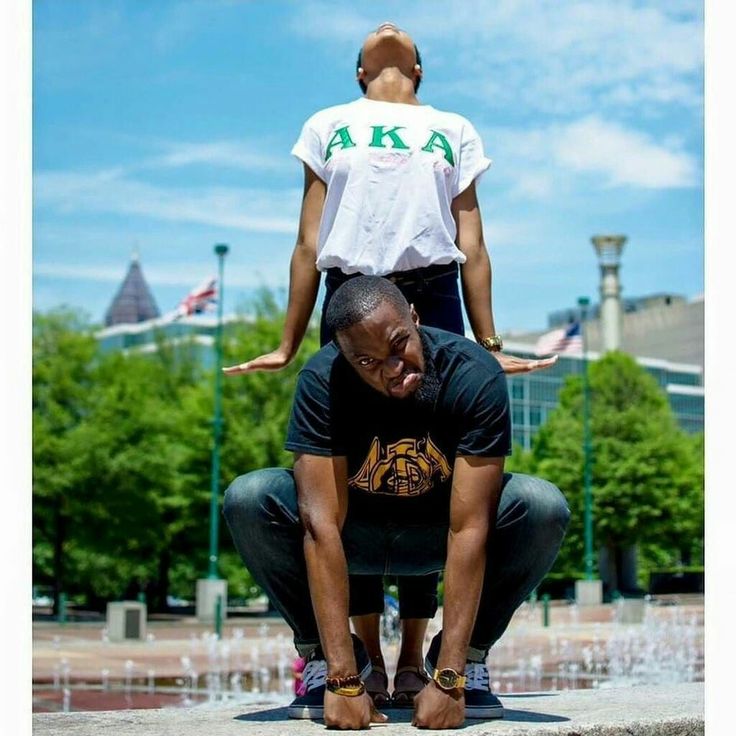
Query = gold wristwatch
x=492 y=344
x=448 y=679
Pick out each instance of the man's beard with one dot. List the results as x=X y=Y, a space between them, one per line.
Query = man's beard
x=426 y=395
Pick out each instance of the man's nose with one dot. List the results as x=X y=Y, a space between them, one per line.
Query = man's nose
x=394 y=365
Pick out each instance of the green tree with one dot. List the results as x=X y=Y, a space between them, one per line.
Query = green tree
x=647 y=472
x=63 y=354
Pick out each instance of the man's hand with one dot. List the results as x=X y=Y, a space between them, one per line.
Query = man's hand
x=512 y=364
x=273 y=361
x=438 y=708
x=351 y=713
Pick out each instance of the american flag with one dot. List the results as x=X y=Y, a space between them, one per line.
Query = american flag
x=199 y=299
x=568 y=340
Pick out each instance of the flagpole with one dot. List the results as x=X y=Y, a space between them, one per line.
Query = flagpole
x=220 y=250
x=583 y=303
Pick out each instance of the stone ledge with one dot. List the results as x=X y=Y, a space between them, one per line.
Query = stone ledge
x=671 y=710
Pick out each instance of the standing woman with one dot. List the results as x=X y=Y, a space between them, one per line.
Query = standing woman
x=389 y=190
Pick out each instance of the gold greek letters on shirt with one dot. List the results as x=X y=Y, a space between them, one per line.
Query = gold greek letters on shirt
x=403 y=468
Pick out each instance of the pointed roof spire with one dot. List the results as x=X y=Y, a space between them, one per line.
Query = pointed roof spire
x=133 y=301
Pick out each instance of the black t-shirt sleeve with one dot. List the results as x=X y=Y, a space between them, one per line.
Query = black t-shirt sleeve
x=481 y=400
x=311 y=427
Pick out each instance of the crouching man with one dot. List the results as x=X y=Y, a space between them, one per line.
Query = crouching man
x=399 y=434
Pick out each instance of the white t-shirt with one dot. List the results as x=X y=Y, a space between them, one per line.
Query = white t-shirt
x=392 y=171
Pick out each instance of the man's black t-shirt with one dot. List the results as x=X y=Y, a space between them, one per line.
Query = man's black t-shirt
x=400 y=452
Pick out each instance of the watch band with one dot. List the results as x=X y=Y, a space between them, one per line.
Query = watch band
x=449 y=679
x=493 y=344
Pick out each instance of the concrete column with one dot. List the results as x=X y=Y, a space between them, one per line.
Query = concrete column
x=208 y=591
x=608 y=248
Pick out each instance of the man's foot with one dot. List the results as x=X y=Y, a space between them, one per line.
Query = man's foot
x=480 y=702
x=408 y=682
x=310 y=704
x=376 y=685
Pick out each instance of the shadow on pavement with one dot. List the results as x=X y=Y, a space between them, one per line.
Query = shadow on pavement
x=261 y=716
x=404 y=716
x=530 y=716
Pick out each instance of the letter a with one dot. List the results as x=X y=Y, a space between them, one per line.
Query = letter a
x=341 y=137
x=437 y=140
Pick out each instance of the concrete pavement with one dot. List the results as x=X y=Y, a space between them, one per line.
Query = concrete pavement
x=672 y=710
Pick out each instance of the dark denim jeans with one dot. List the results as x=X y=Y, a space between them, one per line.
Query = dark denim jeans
x=435 y=295
x=263 y=518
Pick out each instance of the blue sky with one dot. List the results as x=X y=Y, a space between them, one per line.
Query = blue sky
x=166 y=127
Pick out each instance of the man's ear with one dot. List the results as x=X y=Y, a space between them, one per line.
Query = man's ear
x=414 y=315
x=360 y=76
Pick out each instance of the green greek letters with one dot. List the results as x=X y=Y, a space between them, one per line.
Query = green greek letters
x=341 y=137
x=379 y=134
x=437 y=140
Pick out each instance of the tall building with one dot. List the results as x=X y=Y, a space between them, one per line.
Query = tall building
x=665 y=334
x=133 y=302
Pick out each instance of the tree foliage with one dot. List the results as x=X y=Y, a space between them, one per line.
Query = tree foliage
x=123 y=453
x=647 y=473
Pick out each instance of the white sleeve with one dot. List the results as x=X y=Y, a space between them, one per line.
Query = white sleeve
x=472 y=160
x=308 y=148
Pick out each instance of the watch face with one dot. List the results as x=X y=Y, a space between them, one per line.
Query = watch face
x=447 y=679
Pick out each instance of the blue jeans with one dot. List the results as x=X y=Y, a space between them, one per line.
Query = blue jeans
x=262 y=515
x=435 y=295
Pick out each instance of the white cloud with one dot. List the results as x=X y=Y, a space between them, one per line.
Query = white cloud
x=545 y=161
x=250 y=210
x=624 y=157
x=247 y=156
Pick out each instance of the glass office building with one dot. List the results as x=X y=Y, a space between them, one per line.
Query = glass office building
x=534 y=395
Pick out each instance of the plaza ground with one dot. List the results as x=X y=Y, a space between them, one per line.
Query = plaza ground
x=181 y=663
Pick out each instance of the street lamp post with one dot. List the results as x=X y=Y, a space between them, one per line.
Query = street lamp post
x=583 y=303
x=589 y=591
x=221 y=251
x=608 y=248
x=212 y=590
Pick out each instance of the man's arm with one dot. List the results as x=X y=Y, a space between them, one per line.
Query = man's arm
x=476 y=489
x=322 y=491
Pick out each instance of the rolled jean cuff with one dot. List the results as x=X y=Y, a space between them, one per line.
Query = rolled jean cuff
x=305 y=648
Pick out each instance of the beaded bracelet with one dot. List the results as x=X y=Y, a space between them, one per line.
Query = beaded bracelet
x=350 y=686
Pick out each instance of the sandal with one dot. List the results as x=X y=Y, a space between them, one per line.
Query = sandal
x=414 y=681
x=376 y=685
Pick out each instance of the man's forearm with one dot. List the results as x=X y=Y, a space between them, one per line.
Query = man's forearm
x=328 y=585
x=464 y=572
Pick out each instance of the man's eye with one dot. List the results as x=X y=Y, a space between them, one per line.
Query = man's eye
x=366 y=362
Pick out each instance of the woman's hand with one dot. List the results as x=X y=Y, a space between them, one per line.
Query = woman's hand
x=273 y=361
x=511 y=364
